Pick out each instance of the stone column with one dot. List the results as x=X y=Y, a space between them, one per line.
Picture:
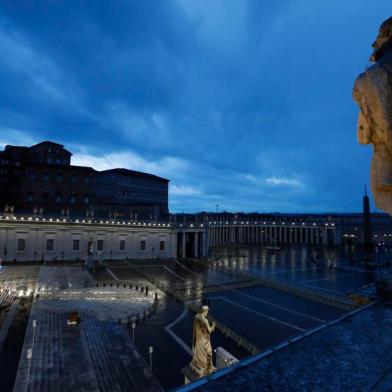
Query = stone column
x=325 y=237
x=183 y=245
x=174 y=237
x=196 y=245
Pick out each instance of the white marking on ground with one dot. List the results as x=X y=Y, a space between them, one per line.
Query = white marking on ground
x=341 y=293
x=166 y=268
x=280 y=307
x=112 y=274
x=328 y=277
x=290 y=270
x=175 y=336
x=183 y=266
x=260 y=314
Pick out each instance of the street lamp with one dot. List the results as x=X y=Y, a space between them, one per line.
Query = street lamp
x=150 y=350
x=133 y=332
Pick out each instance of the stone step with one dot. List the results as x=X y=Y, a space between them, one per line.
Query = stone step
x=97 y=355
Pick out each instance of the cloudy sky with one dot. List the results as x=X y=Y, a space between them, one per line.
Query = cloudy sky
x=242 y=103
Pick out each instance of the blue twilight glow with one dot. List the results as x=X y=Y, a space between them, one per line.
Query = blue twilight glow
x=242 y=103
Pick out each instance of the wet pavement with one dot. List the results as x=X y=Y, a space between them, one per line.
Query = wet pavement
x=328 y=270
x=264 y=316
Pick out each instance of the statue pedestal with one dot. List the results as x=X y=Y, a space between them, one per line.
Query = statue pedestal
x=189 y=374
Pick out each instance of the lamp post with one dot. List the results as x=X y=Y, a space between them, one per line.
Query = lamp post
x=133 y=332
x=150 y=350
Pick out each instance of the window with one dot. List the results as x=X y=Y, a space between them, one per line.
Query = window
x=21 y=247
x=162 y=245
x=59 y=178
x=58 y=161
x=30 y=197
x=59 y=198
x=76 y=245
x=50 y=245
x=49 y=160
x=122 y=244
x=100 y=245
x=143 y=245
x=86 y=199
x=31 y=176
x=46 y=177
x=73 y=179
x=72 y=198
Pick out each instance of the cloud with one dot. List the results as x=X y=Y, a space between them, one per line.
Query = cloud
x=43 y=78
x=284 y=181
x=150 y=127
x=16 y=137
x=165 y=166
x=232 y=103
x=184 y=190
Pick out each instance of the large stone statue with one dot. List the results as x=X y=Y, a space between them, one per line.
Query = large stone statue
x=201 y=345
x=373 y=93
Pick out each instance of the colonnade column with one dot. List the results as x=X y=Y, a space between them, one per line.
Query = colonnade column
x=183 y=245
x=196 y=245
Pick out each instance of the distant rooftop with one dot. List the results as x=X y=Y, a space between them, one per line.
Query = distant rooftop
x=122 y=171
x=134 y=173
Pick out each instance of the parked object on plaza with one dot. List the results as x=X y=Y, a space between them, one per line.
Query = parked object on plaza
x=73 y=318
x=224 y=358
x=372 y=92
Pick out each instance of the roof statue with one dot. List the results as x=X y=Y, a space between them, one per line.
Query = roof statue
x=373 y=94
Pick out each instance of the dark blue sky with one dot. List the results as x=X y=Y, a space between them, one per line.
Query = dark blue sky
x=244 y=103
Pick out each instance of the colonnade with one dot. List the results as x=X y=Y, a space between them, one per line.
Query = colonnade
x=191 y=243
x=276 y=234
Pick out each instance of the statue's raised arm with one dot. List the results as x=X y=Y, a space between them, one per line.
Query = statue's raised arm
x=373 y=94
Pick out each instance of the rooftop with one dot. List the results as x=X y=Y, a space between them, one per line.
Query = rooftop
x=134 y=173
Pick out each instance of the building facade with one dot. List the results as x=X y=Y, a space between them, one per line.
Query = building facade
x=41 y=180
x=123 y=193
x=32 y=238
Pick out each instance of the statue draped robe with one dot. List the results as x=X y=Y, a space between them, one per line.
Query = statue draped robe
x=201 y=346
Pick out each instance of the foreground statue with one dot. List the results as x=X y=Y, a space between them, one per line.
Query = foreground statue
x=373 y=93
x=201 y=345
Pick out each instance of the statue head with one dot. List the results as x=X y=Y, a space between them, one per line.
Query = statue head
x=204 y=310
x=383 y=40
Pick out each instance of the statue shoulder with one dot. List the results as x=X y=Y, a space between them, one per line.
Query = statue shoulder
x=369 y=80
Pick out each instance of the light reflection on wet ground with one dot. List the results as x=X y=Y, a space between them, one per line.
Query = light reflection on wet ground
x=315 y=268
x=262 y=315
